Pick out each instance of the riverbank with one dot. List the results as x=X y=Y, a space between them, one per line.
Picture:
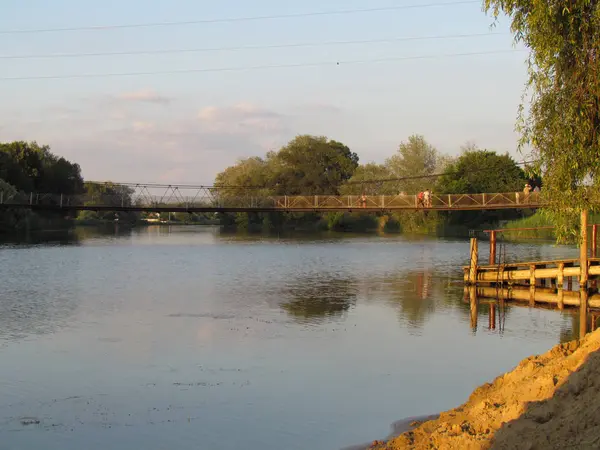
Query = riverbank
x=548 y=401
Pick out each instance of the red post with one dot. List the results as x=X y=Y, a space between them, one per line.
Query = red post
x=594 y=241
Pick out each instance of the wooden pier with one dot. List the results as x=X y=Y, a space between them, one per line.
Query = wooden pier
x=548 y=282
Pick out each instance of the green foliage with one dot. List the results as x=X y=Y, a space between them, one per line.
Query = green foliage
x=477 y=171
x=12 y=219
x=356 y=222
x=415 y=158
x=417 y=222
x=537 y=220
x=311 y=165
x=108 y=194
x=562 y=121
x=249 y=177
x=307 y=165
x=33 y=168
x=368 y=172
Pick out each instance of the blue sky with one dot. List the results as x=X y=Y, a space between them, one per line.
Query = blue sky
x=186 y=127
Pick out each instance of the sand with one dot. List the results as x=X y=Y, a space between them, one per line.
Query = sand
x=551 y=401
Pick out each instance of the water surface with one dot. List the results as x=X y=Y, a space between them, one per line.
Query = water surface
x=163 y=338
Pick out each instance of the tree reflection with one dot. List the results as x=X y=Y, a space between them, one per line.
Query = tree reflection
x=415 y=295
x=319 y=299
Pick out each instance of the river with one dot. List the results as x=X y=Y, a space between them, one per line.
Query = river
x=186 y=338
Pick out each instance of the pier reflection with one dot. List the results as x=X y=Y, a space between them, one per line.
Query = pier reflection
x=482 y=303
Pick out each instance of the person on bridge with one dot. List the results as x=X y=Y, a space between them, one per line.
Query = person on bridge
x=526 y=191
x=427 y=198
x=363 y=200
x=420 y=199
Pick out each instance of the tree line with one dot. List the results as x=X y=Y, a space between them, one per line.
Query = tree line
x=316 y=165
x=307 y=165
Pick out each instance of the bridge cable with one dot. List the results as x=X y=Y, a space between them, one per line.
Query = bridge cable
x=240 y=19
x=251 y=47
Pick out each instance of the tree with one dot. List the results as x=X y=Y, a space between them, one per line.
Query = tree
x=415 y=158
x=108 y=194
x=30 y=167
x=479 y=171
x=362 y=181
x=312 y=165
x=249 y=177
x=562 y=123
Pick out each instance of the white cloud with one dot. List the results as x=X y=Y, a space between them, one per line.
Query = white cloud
x=208 y=113
x=140 y=126
x=145 y=96
x=127 y=142
x=242 y=118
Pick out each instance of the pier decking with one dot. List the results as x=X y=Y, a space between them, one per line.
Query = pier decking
x=548 y=282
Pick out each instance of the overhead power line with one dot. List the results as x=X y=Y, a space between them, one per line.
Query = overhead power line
x=240 y=19
x=251 y=47
x=260 y=67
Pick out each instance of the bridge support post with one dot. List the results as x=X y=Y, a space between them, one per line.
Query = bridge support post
x=31 y=198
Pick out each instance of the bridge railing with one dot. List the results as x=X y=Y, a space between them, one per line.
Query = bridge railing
x=402 y=201
x=298 y=202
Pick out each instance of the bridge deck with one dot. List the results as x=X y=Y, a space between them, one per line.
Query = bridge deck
x=211 y=200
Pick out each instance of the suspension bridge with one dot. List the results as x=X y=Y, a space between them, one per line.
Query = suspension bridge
x=200 y=199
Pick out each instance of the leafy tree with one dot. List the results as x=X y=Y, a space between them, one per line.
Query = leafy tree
x=108 y=194
x=479 y=171
x=311 y=165
x=12 y=219
x=562 y=122
x=362 y=181
x=415 y=158
x=250 y=176
x=30 y=167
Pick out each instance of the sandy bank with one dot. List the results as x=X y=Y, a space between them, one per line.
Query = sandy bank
x=549 y=401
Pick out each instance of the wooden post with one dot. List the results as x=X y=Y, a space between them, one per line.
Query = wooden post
x=595 y=251
x=473 y=307
x=583 y=298
x=560 y=283
x=583 y=252
x=492 y=320
x=473 y=261
x=532 y=285
x=492 y=247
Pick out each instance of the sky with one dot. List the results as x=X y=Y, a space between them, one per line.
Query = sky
x=185 y=127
